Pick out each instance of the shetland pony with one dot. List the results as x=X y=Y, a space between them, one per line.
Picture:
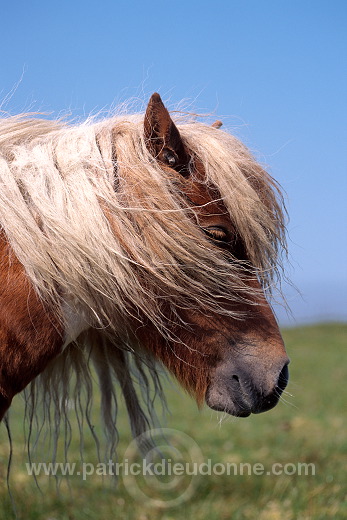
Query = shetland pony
x=133 y=242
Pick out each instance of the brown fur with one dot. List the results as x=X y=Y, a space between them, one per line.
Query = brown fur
x=30 y=335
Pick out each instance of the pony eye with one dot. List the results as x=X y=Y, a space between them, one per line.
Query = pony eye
x=170 y=159
x=217 y=233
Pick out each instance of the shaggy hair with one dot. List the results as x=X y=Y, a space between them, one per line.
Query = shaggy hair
x=105 y=234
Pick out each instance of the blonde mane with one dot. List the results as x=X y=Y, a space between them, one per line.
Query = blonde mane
x=104 y=234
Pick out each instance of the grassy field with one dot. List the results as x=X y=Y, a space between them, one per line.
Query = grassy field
x=310 y=427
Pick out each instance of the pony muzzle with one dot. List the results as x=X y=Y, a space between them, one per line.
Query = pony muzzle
x=241 y=390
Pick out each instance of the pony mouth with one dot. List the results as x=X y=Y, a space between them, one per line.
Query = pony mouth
x=236 y=412
x=240 y=407
x=239 y=395
x=237 y=402
x=220 y=403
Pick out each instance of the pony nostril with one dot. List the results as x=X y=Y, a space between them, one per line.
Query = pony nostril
x=236 y=378
x=283 y=378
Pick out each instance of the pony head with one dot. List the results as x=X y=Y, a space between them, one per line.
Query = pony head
x=138 y=237
x=224 y=343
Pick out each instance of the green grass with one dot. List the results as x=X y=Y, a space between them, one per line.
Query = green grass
x=311 y=427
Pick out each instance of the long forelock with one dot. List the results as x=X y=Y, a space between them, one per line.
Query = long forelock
x=252 y=197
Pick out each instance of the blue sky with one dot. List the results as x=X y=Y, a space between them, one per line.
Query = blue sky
x=274 y=71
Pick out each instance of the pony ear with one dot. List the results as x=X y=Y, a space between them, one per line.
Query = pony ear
x=217 y=124
x=162 y=137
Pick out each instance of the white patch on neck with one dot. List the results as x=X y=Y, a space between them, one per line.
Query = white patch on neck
x=75 y=324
